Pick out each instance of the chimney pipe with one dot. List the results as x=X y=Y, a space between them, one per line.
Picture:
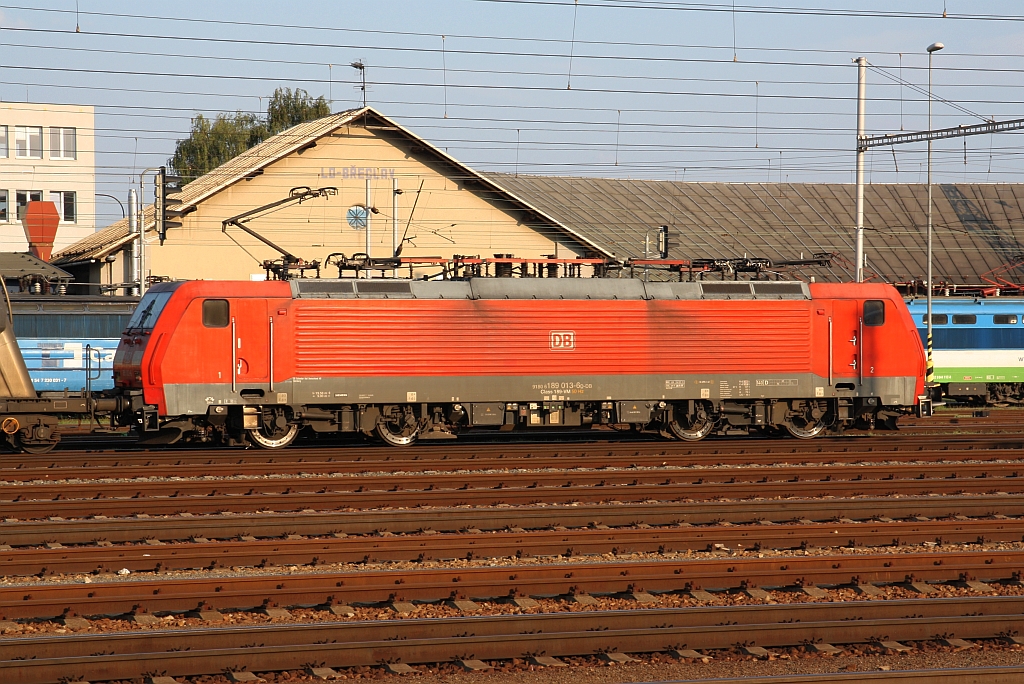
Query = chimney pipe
x=40 y=224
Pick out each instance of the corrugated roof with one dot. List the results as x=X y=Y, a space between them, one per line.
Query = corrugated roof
x=978 y=227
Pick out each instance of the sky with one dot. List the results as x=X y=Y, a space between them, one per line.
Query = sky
x=756 y=91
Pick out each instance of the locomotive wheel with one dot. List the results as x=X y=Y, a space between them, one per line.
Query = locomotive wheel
x=693 y=428
x=399 y=428
x=274 y=432
x=397 y=434
x=274 y=439
x=808 y=432
x=810 y=423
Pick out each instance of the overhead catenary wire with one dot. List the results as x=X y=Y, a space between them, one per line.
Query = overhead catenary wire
x=648 y=140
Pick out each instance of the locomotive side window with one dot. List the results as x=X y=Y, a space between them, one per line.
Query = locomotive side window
x=216 y=313
x=1004 y=319
x=937 y=319
x=874 y=312
x=964 y=319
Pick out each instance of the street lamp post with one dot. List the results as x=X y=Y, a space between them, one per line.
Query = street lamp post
x=930 y=367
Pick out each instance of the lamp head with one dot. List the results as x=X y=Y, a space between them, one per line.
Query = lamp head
x=935 y=47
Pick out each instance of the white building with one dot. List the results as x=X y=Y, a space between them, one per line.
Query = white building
x=47 y=152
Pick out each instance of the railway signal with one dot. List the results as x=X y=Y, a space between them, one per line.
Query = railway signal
x=663 y=242
x=164 y=213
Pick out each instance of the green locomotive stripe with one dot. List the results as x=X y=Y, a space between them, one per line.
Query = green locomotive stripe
x=978 y=374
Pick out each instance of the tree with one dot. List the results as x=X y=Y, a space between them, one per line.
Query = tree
x=287 y=109
x=213 y=142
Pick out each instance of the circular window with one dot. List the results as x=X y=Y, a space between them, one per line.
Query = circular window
x=356 y=216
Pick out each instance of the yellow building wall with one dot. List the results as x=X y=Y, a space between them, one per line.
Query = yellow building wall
x=448 y=218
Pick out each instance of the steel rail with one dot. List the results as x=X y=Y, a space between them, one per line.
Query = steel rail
x=128 y=468
x=838 y=475
x=752 y=448
x=253 y=500
x=447 y=519
x=751 y=615
x=488 y=582
x=567 y=543
x=994 y=674
x=46 y=660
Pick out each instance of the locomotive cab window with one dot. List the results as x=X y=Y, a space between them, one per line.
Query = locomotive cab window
x=964 y=319
x=874 y=312
x=148 y=310
x=937 y=319
x=1005 y=319
x=216 y=313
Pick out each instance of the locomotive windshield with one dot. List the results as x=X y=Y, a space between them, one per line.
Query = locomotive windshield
x=149 y=310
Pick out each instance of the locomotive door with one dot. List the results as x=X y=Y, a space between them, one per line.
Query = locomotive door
x=846 y=342
x=251 y=348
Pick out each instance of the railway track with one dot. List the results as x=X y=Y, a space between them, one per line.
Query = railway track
x=502 y=580
x=962 y=675
x=147 y=556
x=491 y=522
x=186 y=525
x=511 y=487
x=753 y=450
x=184 y=652
x=506 y=477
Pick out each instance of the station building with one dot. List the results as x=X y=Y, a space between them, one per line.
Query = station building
x=445 y=208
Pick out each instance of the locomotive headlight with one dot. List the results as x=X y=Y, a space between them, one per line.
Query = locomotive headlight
x=662 y=404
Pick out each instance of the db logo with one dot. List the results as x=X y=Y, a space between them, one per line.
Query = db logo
x=563 y=340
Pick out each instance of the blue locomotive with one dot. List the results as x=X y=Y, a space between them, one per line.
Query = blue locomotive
x=978 y=346
x=69 y=341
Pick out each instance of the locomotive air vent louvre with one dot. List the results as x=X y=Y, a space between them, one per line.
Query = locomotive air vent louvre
x=383 y=287
x=313 y=288
x=779 y=289
x=734 y=289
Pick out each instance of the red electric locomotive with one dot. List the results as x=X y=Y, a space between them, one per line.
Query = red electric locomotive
x=408 y=360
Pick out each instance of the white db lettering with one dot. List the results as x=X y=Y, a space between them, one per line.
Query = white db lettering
x=563 y=340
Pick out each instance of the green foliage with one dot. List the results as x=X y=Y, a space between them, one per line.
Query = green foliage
x=213 y=142
x=287 y=108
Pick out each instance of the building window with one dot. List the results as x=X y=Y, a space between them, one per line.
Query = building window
x=28 y=142
x=3 y=205
x=3 y=142
x=23 y=197
x=63 y=143
x=65 y=203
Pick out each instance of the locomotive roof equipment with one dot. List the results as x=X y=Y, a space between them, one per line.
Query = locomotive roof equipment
x=283 y=267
